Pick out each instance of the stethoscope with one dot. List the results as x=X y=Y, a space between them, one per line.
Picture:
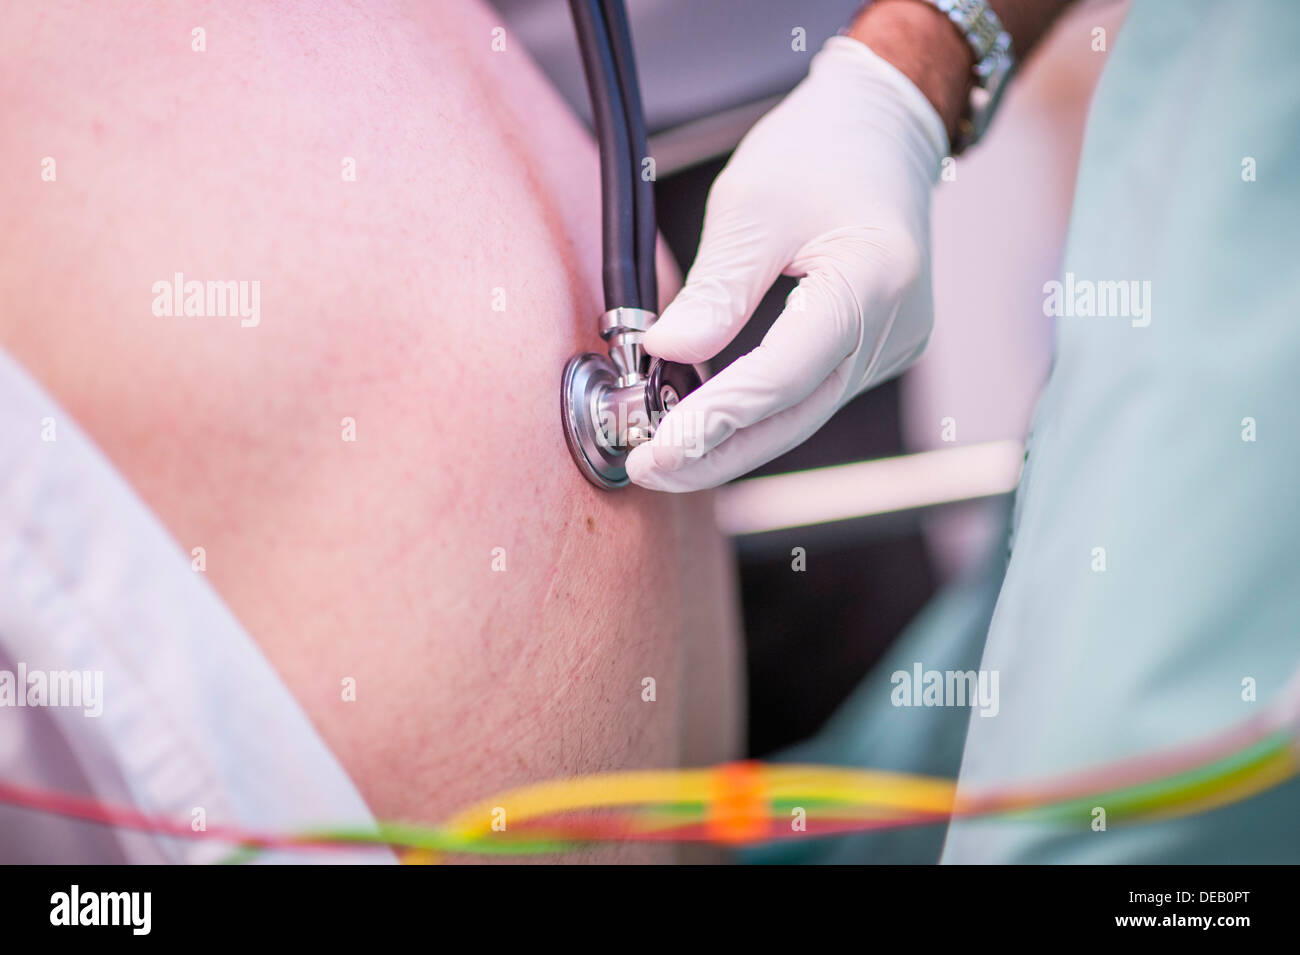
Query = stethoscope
x=609 y=405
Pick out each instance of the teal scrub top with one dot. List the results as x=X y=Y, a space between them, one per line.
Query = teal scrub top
x=1154 y=572
x=1154 y=577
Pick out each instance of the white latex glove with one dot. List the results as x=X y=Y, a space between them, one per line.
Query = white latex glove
x=832 y=185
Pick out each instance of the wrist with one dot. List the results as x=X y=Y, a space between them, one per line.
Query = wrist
x=920 y=42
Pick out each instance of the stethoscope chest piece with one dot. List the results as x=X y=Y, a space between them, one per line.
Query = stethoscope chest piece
x=589 y=378
x=606 y=415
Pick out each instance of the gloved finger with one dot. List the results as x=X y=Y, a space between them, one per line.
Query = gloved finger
x=736 y=264
x=743 y=451
x=818 y=329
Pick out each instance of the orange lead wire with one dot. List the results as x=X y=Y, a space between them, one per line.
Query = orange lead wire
x=740 y=805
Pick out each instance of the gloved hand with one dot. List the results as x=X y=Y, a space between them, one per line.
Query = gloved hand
x=833 y=185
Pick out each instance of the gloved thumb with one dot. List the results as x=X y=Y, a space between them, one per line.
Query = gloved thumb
x=735 y=266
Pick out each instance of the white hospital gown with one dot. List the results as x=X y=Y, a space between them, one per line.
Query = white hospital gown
x=193 y=716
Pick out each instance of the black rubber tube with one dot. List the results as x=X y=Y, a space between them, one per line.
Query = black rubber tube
x=620 y=35
x=618 y=199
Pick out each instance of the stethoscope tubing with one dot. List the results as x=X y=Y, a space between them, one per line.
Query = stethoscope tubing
x=628 y=229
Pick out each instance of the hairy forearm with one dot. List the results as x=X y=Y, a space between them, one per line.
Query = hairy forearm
x=925 y=46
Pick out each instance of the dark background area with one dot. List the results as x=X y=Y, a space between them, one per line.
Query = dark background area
x=812 y=635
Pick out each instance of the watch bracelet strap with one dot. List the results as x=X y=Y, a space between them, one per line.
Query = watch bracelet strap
x=994 y=62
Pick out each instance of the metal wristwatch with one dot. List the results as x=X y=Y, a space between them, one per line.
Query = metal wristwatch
x=995 y=62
